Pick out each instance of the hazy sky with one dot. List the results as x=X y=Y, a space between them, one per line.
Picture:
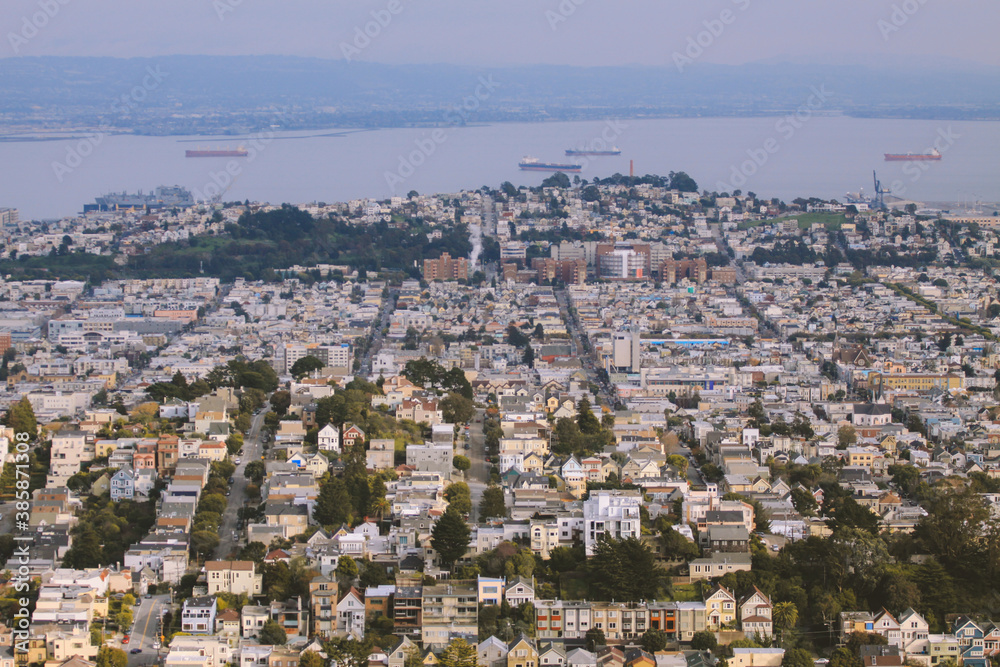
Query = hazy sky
x=498 y=32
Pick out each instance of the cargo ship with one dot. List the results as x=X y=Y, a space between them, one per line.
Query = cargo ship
x=611 y=152
x=219 y=152
x=534 y=164
x=907 y=157
x=160 y=198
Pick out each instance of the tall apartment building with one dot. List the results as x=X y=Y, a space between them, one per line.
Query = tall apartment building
x=626 y=346
x=623 y=261
x=673 y=270
x=611 y=513
x=446 y=268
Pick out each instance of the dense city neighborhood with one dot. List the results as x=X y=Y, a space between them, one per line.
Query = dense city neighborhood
x=616 y=423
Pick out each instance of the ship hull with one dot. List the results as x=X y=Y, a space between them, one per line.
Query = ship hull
x=572 y=153
x=571 y=168
x=216 y=153
x=907 y=157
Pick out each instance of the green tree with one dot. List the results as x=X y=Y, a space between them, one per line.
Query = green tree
x=594 y=638
x=304 y=366
x=254 y=471
x=679 y=462
x=461 y=462
x=204 y=543
x=585 y=418
x=846 y=437
x=459 y=497
x=310 y=659
x=272 y=633
x=528 y=358
x=492 y=504
x=654 y=640
x=785 y=615
x=457 y=409
x=703 y=640
x=804 y=502
x=333 y=504
x=111 y=657
x=450 y=538
x=797 y=657
x=280 y=402
x=347 y=570
x=242 y=423
x=841 y=657
x=625 y=570
x=459 y=653
x=21 y=418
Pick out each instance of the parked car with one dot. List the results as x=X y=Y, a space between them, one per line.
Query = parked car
x=125 y=639
x=135 y=650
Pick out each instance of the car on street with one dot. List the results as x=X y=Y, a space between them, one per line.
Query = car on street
x=135 y=650
x=125 y=639
x=232 y=480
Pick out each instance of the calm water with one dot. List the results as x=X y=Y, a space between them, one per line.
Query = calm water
x=824 y=157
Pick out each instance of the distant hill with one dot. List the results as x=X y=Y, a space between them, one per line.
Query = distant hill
x=316 y=92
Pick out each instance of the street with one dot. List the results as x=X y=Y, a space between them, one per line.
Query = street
x=144 y=630
x=252 y=448
x=388 y=308
x=478 y=475
x=586 y=359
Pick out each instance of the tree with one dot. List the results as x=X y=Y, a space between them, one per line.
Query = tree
x=585 y=418
x=492 y=504
x=797 y=657
x=594 y=638
x=21 y=418
x=679 y=462
x=804 y=502
x=654 y=640
x=254 y=471
x=347 y=570
x=305 y=366
x=111 y=657
x=457 y=409
x=841 y=657
x=461 y=462
x=785 y=615
x=846 y=437
x=625 y=570
x=272 y=633
x=703 y=640
x=450 y=538
x=459 y=653
x=204 y=543
x=281 y=401
x=459 y=497
x=528 y=359
x=310 y=659
x=333 y=504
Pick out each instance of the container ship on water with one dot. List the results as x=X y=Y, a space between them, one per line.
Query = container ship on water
x=611 y=152
x=219 y=152
x=160 y=198
x=907 y=157
x=534 y=164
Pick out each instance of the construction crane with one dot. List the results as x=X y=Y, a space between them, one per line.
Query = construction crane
x=880 y=193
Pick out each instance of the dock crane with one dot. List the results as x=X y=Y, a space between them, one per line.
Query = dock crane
x=880 y=192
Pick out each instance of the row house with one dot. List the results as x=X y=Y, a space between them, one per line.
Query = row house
x=621 y=622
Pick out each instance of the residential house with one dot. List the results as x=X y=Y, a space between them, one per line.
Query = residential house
x=720 y=608
x=198 y=615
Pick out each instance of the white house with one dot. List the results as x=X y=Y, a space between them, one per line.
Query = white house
x=328 y=439
x=351 y=616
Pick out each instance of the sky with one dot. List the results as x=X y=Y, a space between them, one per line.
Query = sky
x=512 y=32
